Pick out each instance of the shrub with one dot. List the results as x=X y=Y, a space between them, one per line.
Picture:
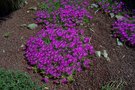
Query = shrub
x=10 y=80
x=6 y=6
x=130 y=4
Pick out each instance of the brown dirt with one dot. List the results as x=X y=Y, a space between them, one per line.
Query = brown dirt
x=11 y=52
x=122 y=59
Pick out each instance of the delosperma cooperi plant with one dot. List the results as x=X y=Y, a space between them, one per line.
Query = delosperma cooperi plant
x=69 y=16
x=60 y=49
x=124 y=29
x=111 y=6
x=59 y=53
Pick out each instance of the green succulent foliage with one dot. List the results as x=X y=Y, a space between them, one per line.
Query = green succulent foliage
x=55 y=6
x=86 y=20
x=10 y=80
x=43 y=6
x=47 y=40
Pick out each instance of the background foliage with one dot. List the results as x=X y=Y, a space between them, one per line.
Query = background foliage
x=6 y=6
x=10 y=80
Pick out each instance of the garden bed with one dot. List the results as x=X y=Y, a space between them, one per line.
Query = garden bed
x=121 y=66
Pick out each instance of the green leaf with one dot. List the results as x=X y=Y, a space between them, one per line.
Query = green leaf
x=57 y=5
x=47 y=40
x=86 y=19
x=43 y=6
x=70 y=78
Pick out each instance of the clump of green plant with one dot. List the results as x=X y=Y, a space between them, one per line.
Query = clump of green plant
x=46 y=5
x=114 y=85
x=7 y=6
x=10 y=80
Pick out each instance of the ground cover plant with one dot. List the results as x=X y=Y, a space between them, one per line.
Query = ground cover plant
x=60 y=49
x=124 y=26
x=111 y=6
x=13 y=80
x=124 y=29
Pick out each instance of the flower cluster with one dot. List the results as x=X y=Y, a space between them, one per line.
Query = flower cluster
x=60 y=49
x=69 y=16
x=111 y=6
x=59 y=53
x=124 y=29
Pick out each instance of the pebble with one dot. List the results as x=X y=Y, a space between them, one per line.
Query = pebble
x=3 y=51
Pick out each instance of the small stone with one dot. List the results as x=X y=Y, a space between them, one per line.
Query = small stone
x=112 y=15
x=105 y=55
x=22 y=46
x=98 y=53
x=26 y=2
x=81 y=24
x=94 y=5
x=33 y=8
x=22 y=38
x=32 y=26
x=119 y=17
x=28 y=11
x=3 y=51
x=6 y=35
x=119 y=42
x=23 y=25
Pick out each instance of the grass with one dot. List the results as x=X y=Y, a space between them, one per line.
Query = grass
x=114 y=85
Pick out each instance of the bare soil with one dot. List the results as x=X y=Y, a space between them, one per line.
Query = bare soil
x=120 y=67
